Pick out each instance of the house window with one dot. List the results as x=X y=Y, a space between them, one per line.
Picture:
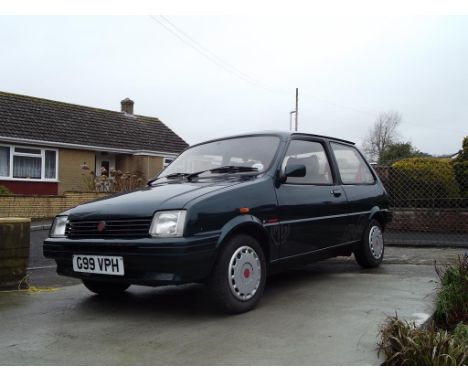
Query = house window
x=4 y=161
x=167 y=162
x=28 y=163
x=50 y=164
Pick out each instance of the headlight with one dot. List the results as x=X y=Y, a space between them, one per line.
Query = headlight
x=168 y=224
x=59 y=226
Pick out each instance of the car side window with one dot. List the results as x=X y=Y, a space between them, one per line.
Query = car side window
x=312 y=155
x=351 y=165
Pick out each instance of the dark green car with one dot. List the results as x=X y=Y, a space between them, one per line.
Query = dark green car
x=228 y=213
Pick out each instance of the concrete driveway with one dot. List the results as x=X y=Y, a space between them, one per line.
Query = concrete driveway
x=326 y=314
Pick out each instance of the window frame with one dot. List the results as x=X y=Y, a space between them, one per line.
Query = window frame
x=360 y=155
x=164 y=161
x=42 y=155
x=327 y=155
x=9 y=164
x=272 y=164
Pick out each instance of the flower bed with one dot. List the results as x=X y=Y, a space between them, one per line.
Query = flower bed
x=445 y=341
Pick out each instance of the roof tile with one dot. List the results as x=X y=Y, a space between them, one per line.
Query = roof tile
x=46 y=120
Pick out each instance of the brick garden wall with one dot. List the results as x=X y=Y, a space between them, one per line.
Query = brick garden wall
x=430 y=220
x=43 y=207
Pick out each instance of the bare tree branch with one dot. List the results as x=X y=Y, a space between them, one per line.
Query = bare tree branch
x=383 y=133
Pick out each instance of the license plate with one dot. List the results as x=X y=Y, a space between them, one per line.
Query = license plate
x=104 y=265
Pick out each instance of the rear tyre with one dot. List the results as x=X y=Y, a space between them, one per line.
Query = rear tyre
x=105 y=288
x=238 y=278
x=370 y=252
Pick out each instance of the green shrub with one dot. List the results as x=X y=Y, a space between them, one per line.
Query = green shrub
x=404 y=344
x=4 y=191
x=460 y=333
x=423 y=182
x=397 y=151
x=452 y=294
x=460 y=167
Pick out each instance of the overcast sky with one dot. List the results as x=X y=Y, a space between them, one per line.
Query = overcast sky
x=347 y=69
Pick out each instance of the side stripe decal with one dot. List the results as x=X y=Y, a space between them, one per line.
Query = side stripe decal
x=319 y=218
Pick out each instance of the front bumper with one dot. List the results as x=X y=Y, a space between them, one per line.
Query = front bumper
x=147 y=261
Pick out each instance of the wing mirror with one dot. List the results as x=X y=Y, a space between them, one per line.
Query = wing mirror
x=294 y=170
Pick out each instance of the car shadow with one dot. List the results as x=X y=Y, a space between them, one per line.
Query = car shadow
x=189 y=299
x=193 y=299
x=316 y=272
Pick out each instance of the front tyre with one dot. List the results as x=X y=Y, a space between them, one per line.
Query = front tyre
x=105 y=288
x=238 y=278
x=370 y=252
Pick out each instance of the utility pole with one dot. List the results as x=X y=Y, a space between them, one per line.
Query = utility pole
x=295 y=112
x=297 y=105
x=290 y=119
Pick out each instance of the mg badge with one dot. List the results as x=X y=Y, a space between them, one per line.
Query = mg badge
x=101 y=226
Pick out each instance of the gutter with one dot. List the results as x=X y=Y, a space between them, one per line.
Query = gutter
x=86 y=147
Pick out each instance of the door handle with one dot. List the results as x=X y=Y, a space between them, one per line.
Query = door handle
x=336 y=192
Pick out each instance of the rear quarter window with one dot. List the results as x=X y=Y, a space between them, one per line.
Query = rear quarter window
x=352 y=167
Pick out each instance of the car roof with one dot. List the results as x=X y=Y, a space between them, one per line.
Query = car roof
x=323 y=136
x=282 y=134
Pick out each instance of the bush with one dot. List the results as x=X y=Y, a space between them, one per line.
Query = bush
x=117 y=181
x=397 y=151
x=452 y=295
x=423 y=182
x=460 y=334
x=403 y=344
x=460 y=167
x=4 y=191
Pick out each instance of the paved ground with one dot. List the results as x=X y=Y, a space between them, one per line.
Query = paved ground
x=41 y=270
x=326 y=314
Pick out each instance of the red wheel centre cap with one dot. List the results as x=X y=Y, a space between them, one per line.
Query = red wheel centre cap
x=246 y=273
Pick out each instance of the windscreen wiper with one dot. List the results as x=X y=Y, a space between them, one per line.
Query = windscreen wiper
x=169 y=176
x=224 y=170
x=176 y=175
x=216 y=170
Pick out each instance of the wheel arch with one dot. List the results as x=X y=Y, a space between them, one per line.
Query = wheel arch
x=379 y=215
x=247 y=225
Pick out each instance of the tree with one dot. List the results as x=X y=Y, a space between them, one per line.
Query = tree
x=399 y=150
x=383 y=133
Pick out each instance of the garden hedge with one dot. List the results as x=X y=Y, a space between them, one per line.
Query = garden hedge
x=460 y=166
x=424 y=182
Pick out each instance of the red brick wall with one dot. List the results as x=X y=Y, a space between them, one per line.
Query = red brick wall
x=429 y=220
x=30 y=188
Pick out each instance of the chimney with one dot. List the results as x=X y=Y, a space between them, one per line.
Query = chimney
x=127 y=105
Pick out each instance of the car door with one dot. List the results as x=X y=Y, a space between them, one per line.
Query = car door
x=311 y=209
x=360 y=185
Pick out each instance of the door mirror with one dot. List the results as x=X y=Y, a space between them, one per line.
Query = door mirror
x=294 y=170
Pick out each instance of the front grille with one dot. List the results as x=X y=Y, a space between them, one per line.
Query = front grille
x=115 y=228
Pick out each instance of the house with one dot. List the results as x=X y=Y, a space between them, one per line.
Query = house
x=44 y=144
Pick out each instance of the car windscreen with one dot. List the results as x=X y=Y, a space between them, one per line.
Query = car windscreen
x=256 y=152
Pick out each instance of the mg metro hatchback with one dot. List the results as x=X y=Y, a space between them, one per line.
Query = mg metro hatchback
x=228 y=213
